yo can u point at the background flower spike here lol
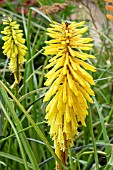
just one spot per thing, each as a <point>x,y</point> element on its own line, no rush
<point>14,48</point>
<point>109,8</point>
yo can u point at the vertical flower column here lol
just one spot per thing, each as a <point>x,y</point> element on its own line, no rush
<point>14,48</point>
<point>109,8</point>
<point>69,83</point>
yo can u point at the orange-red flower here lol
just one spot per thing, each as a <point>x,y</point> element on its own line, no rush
<point>109,8</point>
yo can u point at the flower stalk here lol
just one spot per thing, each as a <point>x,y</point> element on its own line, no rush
<point>69,83</point>
<point>14,48</point>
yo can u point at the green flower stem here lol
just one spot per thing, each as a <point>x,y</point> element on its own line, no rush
<point>110,115</point>
<point>71,160</point>
<point>30,65</point>
<point>34,126</point>
<point>25,142</point>
<point>10,140</point>
<point>6,123</point>
<point>92,152</point>
<point>77,163</point>
<point>28,57</point>
<point>108,118</point>
<point>28,34</point>
<point>25,129</point>
<point>14,158</point>
<point>31,92</point>
<point>18,71</point>
<point>42,75</point>
<point>93,141</point>
<point>17,136</point>
<point>33,83</point>
<point>106,138</point>
<point>34,56</point>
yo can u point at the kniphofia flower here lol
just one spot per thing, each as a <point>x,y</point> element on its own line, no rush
<point>109,8</point>
<point>14,48</point>
<point>69,83</point>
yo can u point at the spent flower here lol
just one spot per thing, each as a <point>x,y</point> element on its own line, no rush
<point>69,83</point>
<point>14,48</point>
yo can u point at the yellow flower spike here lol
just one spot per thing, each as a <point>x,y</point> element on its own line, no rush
<point>14,48</point>
<point>70,83</point>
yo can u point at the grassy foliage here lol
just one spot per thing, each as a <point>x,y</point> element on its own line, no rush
<point>24,134</point>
